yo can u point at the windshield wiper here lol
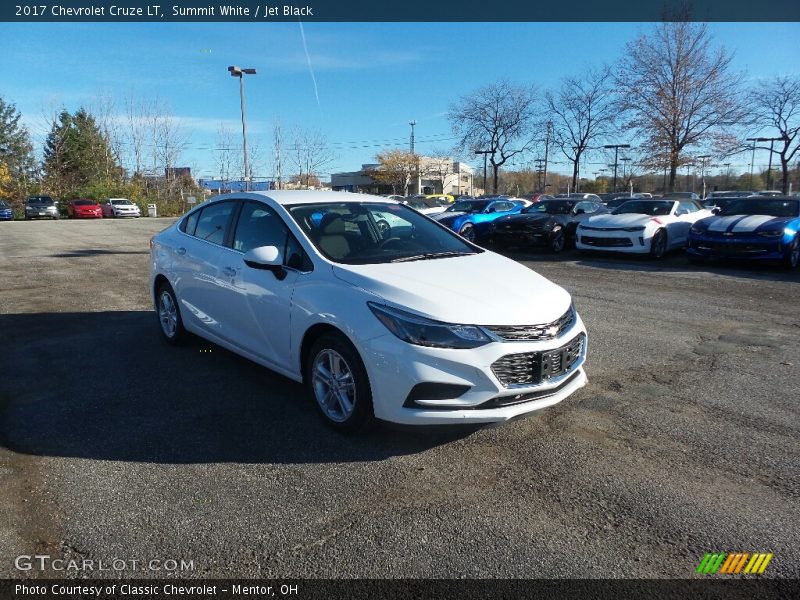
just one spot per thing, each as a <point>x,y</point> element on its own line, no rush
<point>429,256</point>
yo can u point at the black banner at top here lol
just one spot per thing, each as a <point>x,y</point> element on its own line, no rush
<point>131,11</point>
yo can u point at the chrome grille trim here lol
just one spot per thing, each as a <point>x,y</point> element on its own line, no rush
<point>532,333</point>
<point>529,368</point>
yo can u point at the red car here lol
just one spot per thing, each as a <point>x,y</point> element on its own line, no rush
<point>84,209</point>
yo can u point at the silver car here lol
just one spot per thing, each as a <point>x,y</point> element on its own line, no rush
<point>40,207</point>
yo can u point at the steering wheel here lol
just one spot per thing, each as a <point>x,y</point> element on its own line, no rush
<point>387,241</point>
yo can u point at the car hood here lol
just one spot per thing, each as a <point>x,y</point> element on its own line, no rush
<point>623,220</point>
<point>743,223</point>
<point>447,289</point>
<point>449,216</point>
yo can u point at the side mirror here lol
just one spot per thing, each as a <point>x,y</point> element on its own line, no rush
<point>580,211</point>
<point>266,258</point>
<point>716,210</point>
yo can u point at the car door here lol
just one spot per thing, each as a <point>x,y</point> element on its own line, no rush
<point>685,214</point>
<point>258,306</point>
<point>196,266</point>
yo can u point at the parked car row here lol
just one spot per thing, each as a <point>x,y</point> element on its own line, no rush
<point>754,228</point>
<point>44,207</point>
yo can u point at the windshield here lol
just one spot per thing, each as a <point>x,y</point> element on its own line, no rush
<point>468,206</point>
<point>550,207</point>
<point>761,206</point>
<point>84,202</point>
<point>44,200</point>
<point>123,202</point>
<point>655,208</point>
<point>358,233</point>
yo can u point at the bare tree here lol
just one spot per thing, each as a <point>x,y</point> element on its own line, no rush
<point>310,153</point>
<point>278,153</point>
<point>678,91</point>
<point>498,118</point>
<point>224,152</point>
<point>777,108</point>
<point>582,112</point>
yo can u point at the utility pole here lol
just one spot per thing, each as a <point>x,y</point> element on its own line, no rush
<point>752,160</point>
<point>240,73</point>
<point>616,148</point>
<point>727,174</point>
<point>771,150</point>
<point>546,150</point>
<point>413,123</point>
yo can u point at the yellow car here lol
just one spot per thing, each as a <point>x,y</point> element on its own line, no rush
<point>446,197</point>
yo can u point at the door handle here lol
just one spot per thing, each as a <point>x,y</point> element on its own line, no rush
<point>181,251</point>
<point>229,271</point>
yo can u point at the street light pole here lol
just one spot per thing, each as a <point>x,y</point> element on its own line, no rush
<point>240,73</point>
<point>616,148</point>
<point>485,153</point>
<point>703,171</point>
<point>727,174</point>
<point>752,160</point>
<point>546,149</point>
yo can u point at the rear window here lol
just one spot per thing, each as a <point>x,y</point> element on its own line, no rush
<point>213,221</point>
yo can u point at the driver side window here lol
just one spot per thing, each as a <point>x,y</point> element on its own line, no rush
<point>258,225</point>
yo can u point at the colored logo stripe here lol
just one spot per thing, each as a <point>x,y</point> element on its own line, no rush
<point>734,563</point>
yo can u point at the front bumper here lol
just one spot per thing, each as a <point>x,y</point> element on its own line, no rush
<point>127,213</point>
<point>614,240</point>
<point>41,214</point>
<point>87,215</point>
<point>396,368</point>
<point>521,238</point>
<point>745,247</point>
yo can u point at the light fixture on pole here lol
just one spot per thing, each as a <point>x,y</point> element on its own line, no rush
<point>485,153</point>
<point>616,148</point>
<point>240,73</point>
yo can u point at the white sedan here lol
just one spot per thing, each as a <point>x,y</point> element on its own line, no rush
<point>421,327</point>
<point>641,226</point>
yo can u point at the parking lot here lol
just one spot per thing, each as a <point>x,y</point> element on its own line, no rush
<point>115,445</point>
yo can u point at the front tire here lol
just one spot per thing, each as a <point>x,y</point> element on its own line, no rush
<point>338,383</point>
<point>557,241</point>
<point>169,316</point>
<point>793,256</point>
<point>658,245</point>
<point>467,231</point>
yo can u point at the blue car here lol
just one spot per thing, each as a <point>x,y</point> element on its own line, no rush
<point>6,214</point>
<point>755,228</point>
<point>472,219</point>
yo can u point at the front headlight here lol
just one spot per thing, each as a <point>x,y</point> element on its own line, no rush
<point>633,228</point>
<point>771,233</point>
<point>427,332</point>
<point>696,230</point>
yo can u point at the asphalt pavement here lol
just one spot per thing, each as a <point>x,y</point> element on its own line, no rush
<point>115,445</point>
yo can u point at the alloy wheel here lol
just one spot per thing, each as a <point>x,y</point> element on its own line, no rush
<point>168,314</point>
<point>334,385</point>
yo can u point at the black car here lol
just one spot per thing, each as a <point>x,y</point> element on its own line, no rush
<point>550,223</point>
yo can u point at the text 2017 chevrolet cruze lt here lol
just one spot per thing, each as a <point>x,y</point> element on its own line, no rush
<point>410,324</point>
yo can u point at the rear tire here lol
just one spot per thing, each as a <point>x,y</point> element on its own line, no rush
<point>338,384</point>
<point>169,316</point>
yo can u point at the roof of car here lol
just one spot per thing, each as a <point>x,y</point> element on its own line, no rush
<point>288,197</point>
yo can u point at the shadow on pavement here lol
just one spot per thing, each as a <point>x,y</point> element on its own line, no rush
<point>95,252</point>
<point>105,386</point>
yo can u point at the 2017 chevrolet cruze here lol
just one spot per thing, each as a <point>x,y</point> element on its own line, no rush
<point>410,324</point>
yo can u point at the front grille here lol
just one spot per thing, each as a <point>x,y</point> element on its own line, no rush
<point>534,333</point>
<point>734,249</point>
<point>606,242</point>
<point>531,368</point>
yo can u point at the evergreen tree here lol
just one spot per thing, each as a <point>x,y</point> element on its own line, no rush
<point>16,154</point>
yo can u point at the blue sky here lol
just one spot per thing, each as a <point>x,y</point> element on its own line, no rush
<point>371,79</point>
